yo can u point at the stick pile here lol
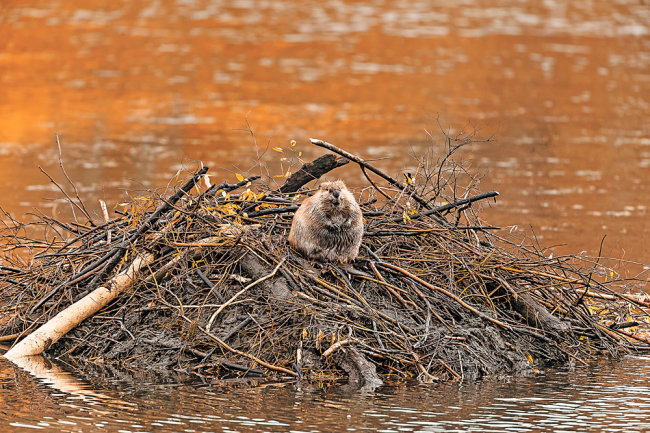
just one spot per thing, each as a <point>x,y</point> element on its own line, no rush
<point>203,281</point>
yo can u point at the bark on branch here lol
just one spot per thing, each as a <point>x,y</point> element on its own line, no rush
<point>114,255</point>
<point>365,165</point>
<point>49,333</point>
<point>311,171</point>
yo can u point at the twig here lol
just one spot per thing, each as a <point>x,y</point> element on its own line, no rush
<point>231,300</point>
<point>364,164</point>
<point>272,211</point>
<point>334,347</point>
<point>76,193</point>
<point>445,292</point>
<point>448,206</point>
<point>425,231</point>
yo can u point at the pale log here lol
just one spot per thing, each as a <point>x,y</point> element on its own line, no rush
<point>50,332</point>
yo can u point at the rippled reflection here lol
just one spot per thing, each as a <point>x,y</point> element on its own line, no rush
<point>608,396</point>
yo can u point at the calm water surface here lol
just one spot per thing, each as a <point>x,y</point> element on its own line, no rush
<point>606,397</point>
<point>138,89</point>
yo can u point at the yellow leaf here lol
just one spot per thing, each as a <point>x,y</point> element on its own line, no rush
<point>239,177</point>
<point>530,358</point>
<point>277,149</point>
<point>293,143</point>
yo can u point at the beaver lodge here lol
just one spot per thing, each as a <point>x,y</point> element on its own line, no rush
<point>202,280</point>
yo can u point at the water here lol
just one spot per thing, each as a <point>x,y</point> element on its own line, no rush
<point>605,397</point>
<point>138,89</point>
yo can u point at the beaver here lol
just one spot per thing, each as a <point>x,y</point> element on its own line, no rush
<point>328,225</point>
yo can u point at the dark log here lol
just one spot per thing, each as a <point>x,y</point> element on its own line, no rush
<point>227,187</point>
<point>311,171</point>
<point>424,232</point>
<point>457,203</point>
<point>357,367</point>
<point>533,312</point>
<point>272,211</point>
<point>278,286</point>
<point>365,165</point>
<point>462,202</point>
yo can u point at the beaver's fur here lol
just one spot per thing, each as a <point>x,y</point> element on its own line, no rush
<point>328,226</point>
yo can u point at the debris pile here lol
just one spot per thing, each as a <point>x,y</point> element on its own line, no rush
<point>205,282</point>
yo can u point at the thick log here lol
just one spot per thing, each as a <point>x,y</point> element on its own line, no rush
<point>357,367</point>
<point>50,332</point>
<point>533,312</point>
<point>311,171</point>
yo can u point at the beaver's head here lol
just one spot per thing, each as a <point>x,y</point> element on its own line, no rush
<point>334,191</point>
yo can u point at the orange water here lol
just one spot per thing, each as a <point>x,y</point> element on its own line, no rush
<point>137,89</point>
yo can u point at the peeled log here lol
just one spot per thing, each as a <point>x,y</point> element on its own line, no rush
<point>50,332</point>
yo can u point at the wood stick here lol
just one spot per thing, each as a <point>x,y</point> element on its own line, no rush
<point>10,337</point>
<point>333,347</point>
<point>457,203</point>
<point>271,211</point>
<point>445,292</point>
<point>235,351</point>
<point>311,171</point>
<point>114,255</point>
<point>231,300</point>
<point>364,164</point>
<point>50,332</point>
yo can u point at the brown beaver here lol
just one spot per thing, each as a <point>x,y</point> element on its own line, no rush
<point>328,225</point>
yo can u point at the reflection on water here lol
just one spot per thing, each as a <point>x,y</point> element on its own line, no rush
<point>608,396</point>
